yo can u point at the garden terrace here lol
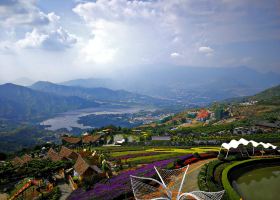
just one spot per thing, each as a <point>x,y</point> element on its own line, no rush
<point>119,186</point>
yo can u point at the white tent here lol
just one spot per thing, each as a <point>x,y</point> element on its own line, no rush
<point>234,144</point>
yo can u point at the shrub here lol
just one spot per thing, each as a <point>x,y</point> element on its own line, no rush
<point>206,180</point>
<point>202,179</point>
<point>55,194</point>
<point>196,155</point>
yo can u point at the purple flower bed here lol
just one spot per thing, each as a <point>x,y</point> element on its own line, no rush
<point>120,185</point>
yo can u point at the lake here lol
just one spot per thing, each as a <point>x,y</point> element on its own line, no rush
<point>70,119</point>
<point>259,184</point>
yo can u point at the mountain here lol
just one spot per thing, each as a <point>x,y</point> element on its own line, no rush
<point>98,94</point>
<point>90,83</point>
<point>21,103</point>
<point>190,84</point>
<point>269,96</point>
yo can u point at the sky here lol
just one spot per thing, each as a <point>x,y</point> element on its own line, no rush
<point>67,39</point>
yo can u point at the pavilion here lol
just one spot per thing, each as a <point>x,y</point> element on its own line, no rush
<point>234,144</point>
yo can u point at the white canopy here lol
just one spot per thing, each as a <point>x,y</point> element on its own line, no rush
<point>234,144</point>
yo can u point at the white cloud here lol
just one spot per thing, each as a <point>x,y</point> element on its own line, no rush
<point>53,17</point>
<point>175,55</point>
<point>55,40</point>
<point>206,50</point>
<point>21,13</point>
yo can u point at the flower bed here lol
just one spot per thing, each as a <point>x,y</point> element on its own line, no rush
<point>191,160</point>
<point>125,157</point>
<point>120,185</point>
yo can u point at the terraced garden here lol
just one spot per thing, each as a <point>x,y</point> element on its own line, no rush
<point>138,162</point>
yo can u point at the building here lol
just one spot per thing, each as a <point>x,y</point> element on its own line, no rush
<point>26,158</point>
<point>68,153</point>
<point>53,155</point>
<point>203,115</point>
<point>92,139</point>
<point>161,138</point>
<point>84,170</point>
<point>17,161</point>
<point>71,141</point>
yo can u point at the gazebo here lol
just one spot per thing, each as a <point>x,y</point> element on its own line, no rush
<point>234,144</point>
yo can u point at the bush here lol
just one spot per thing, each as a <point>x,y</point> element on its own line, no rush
<point>206,180</point>
<point>55,194</point>
<point>202,179</point>
<point>196,155</point>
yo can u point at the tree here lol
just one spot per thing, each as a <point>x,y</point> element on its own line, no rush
<point>3,156</point>
<point>106,168</point>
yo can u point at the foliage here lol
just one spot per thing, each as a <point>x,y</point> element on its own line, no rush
<point>55,194</point>
<point>206,180</point>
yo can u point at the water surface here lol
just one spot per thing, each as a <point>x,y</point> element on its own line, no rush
<point>70,119</point>
<point>259,184</point>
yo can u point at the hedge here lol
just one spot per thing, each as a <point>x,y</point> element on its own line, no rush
<point>205,177</point>
<point>231,193</point>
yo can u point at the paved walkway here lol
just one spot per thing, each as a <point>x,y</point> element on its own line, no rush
<point>3,196</point>
<point>66,190</point>
<point>191,178</point>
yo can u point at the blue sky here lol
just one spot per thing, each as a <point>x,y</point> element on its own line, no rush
<point>60,40</point>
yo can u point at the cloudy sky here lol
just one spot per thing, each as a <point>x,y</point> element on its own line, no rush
<point>58,40</point>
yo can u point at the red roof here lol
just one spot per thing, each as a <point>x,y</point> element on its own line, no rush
<point>53,155</point>
<point>203,114</point>
<point>68,153</point>
<point>91,138</point>
<point>72,140</point>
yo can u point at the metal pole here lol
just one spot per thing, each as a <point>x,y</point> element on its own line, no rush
<point>182,183</point>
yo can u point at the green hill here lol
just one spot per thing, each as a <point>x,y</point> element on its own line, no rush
<point>269,96</point>
<point>21,103</point>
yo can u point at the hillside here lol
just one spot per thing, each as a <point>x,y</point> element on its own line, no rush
<point>269,96</point>
<point>98,94</point>
<point>21,103</point>
<point>262,107</point>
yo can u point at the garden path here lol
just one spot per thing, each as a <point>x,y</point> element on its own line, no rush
<point>66,190</point>
<point>3,196</point>
<point>191,177</point>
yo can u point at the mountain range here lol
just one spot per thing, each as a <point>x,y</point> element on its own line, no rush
<point>44,99</point>
<point>178,86</point>
<point>195,85</point>
<point>22,103</point>
<point>100,94</point>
